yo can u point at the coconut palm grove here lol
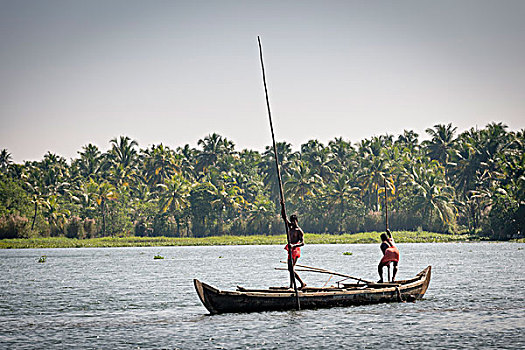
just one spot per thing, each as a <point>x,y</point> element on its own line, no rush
<point>470,182</point>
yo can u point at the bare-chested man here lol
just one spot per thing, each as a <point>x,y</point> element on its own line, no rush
<point>296,242</point>
<point>390,254</point>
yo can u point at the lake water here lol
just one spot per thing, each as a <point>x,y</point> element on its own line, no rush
<point>121,298</point>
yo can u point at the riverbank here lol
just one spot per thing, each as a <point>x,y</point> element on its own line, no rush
<point>310,238</point>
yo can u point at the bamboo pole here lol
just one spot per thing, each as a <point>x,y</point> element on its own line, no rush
<point>283,207</point>
<point>320,270</point>
<point>386,206</point>
<point>386,222</point>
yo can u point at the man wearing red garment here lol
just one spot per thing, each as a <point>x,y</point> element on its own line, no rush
<point>296,242</point>
<point>390,255</point>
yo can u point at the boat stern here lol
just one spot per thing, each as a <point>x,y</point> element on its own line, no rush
<point>427,274</point>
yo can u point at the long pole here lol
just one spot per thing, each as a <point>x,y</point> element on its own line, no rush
<point>290,264</point>
<point>320,270</point>
<point>386,220</point>
<point>386,205</point>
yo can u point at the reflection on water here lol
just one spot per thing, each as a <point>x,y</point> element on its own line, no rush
<point>123,298</point>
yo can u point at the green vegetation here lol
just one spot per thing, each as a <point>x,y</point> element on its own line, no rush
<point>42,259</point>
<point>158,257</point>
<point>471,183</point>
<point>348,253</point>
<point>310,238</point>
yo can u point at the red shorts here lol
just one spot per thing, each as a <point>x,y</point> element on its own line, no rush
<point>391,254</point>
<point>296,252</point>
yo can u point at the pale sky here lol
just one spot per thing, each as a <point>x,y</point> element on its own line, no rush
<point>172,72</point>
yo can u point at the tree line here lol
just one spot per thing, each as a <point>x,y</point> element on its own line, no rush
<point>469,182</point>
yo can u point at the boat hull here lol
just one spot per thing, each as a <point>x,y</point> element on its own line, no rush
<point>217,301</point>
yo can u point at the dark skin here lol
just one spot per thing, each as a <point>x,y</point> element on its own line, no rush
<point>296,240</point>
<point>385,244</point>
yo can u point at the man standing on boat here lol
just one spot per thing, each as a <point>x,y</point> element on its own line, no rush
<point>390,254</point>
<point>296,242</point>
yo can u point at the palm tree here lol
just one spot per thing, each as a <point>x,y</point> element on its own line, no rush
<point>5,160</point>
<point>35,188</point>
<point>123,158</point>
<point>318,159</point>
<point>123,151</point>
<point>90,161</point>
<point>342,155</point>
<point>159,165</point>
<point>56,215</point>
<point>228,197</point>
<point>311,151</point>
<point>51,173</point>
<point>201,196</point>
<point>101,194</point>
<point>214,147</point>
<point>269,172</point>
<point>477,167</point>
<point>512,170</point>
<point>465,164</point>
<point>259,215</point>
<point>45,179</point>
<point>339,195</point>
<point>302,183</point>
<point>442,141</point>
<point>247,175</point>
<point>432,193</point>
<point>37,200</point>
<point>408,140</point>
<point>174,198</point>
<point>187,160</point>
<point>373,170</point>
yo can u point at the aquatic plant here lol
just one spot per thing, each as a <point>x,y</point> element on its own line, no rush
<point>348,253</point>
<point>42,259</point>
<point>158,256</point>
<point>310,238</point>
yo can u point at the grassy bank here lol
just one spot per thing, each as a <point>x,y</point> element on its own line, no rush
<point>364,237</point>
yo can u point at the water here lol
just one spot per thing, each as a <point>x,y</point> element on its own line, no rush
<point>121,298</point>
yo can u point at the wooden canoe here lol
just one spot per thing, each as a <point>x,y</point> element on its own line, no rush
<point>253,300</point>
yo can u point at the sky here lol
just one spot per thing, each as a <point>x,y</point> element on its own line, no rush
<point>172,72</point>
